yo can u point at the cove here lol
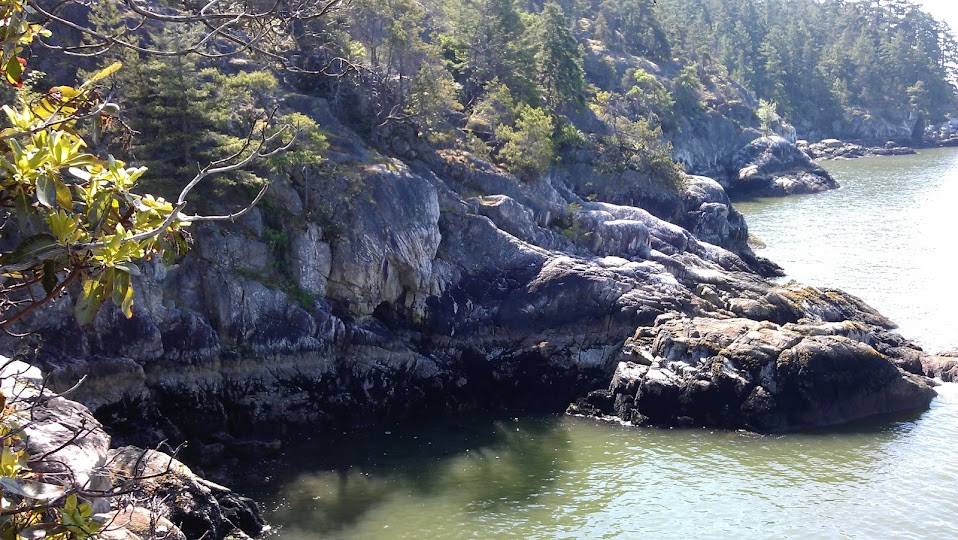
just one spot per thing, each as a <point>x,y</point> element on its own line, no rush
<point>883,236</point>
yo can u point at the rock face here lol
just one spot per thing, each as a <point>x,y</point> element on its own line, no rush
<point>442,284</point>
<point>70,448</point>
<point>741,373</point>
<point>706,144</point>
<point>772,166</point>
<point>875,129</point>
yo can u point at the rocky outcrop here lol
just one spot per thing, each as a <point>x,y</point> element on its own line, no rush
<point>705,144</point>
<point>944,134</point>
<point>772,166</point>
<point>70,451</point>
<point>392,289</point>
<point>876,128</point>
<point>944,366</point>
<point>741,373</point>
<point>835,149</point>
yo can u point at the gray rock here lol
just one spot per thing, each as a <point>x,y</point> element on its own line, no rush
<point>387,253</point>
<point>181,497</point>
<point>740,373</point>
<point>310,260</point>
<point>508,215</point>
<point>942,367</point>
<point>136,523</point>
<point>772,166</point>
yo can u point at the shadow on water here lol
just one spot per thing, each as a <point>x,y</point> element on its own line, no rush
<point>327,486</point>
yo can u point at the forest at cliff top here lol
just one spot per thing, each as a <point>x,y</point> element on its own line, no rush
<point>528,83</point>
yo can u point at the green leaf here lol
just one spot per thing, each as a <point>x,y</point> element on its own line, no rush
<point>91,298</point>
<point>105,72</point>
<point>129,268</point>
<point>49,276</point>
<point>14,71</point>
<point>47,191</point>
<point>77,516</point>
<point>64,195</point>
<point>98,210</point>
<point>123,293</point>
<point>11,463</point>
<point>32,248</point>
<point>80,173</point>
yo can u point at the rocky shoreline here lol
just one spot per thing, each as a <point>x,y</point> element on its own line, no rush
<point>836,149</point>
<point>134,493</point>
<point>439,284</point>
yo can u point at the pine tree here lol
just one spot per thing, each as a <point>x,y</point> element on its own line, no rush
<point>560,62</point>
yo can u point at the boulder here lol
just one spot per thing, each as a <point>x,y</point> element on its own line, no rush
<point>744,374</point>
<point>68,447</point>
<point>199,508</point>
<point>72,441</point>
<point>136,523</point>
<point>943,366</point>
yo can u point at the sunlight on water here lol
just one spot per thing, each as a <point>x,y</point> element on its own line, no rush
<point>886,235</point>
<point>560,477</point>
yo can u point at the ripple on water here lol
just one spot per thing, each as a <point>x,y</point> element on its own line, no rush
<point>556,477</point>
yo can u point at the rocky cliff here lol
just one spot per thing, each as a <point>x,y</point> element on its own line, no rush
<point>387,288</point>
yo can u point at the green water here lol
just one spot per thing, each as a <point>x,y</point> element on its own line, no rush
<point>887,235</point>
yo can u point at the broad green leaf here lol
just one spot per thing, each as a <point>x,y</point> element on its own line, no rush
<point>47,191</point>
<point>80,173</point>
<point>64,195</point>
<point>77,516</point>
<point>11,463</point>
<point>123,293</point>
<point>98,210</point>
<point>129,268</point>
<point>14,72</point>
<point>49,276</point>
<point>32,248</point>
<point>90,300</point>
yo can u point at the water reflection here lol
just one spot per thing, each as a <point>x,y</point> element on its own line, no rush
<point>560,477</point>
<point>485,466</point>
<point>884,236</point>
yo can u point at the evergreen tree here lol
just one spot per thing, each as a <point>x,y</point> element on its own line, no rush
<point>560,61</point>
<point>496,47</point>
<point>528,150</point>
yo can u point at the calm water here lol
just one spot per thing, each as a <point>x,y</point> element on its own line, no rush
<point>888,236</point>
<point>885,236</point>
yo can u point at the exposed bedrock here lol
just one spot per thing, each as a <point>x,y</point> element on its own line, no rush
<point>445,286</point>
<point>741,373</point>
<point>134,493</point>
<point>773,166</point>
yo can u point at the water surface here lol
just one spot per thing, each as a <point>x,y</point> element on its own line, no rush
<point>886,236</point>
